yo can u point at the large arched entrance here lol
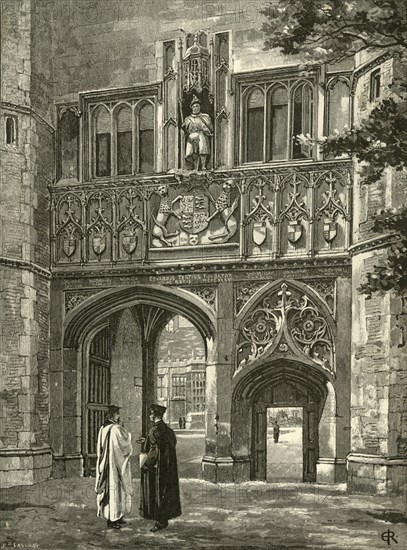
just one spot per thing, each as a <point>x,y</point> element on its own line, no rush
<point>110,355</point>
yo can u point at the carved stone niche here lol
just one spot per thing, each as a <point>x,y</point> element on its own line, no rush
<point>286,320</point>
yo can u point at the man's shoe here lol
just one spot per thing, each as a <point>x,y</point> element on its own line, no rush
<point>121,521</point>
<point>113,525</point>
<point>158,527</point>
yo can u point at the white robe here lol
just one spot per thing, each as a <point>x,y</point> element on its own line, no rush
<point>113,474</point>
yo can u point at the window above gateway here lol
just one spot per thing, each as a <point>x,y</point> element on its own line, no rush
<point>119,132</point>
<point>122,138</point>
<point>272,112</point>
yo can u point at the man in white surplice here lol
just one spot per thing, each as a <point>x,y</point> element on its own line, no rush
<point>113,474</point>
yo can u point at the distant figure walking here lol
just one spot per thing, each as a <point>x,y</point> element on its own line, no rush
<point>276,431</point>
<point>184,423</point>
<point>180,422</point>
<point>113,474</point>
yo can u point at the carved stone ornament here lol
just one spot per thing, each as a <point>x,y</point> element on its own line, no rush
<point>295,211</point>
<point>330,209</point>
<point>73,299</point>
<point>286,320</point>
<point>68,227</point>
<point>326,289</point>
<point>121,221</point>
<point>244,291</point>
<point>100,225</point>
<point>190,214</point>
<point>261,215</point>
<point>196,66</point>
<point>206,293</point>
<point>130,222</point>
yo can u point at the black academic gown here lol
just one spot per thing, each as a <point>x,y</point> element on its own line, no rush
<point>160,499</point>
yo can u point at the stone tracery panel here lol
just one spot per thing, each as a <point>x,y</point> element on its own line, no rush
<point>286,320</point>
<point>68,227</point>
<point>260,213</point>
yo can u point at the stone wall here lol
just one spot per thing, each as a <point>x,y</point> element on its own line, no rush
<point>27,168</point>
<point>114,44</point>
<point>377,462</point>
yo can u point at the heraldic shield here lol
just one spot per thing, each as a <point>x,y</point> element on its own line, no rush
<point>69,246</point>
<point>259,232</point>
<point>129,242</point>
<point>99,244</point>
<point>194,213</point>
<point>294,231</point>
<point>329,230</point>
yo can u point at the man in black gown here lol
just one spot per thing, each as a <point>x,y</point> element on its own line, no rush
<point>160,499</point>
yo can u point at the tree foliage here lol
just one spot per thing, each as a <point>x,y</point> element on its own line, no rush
<point>332,30</point>
<point>329,31</point>
<point>393,275</point>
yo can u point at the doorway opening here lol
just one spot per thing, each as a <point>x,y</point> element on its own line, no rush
<point>285,444</point>
<point>181,388</point>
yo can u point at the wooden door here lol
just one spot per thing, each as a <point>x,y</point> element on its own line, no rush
<point>259,452</point>
<point>310,442</point>
<point>97,396</point>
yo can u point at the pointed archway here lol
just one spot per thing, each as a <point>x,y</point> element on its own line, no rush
<point>285,356</point>
<point>151,306</point>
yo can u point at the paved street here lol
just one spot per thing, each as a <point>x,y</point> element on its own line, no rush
<point>61,514</point>
<point>284,459</point>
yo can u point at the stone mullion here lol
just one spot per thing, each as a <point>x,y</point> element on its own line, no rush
<point>311,222</point>
<point>243,232</point>
<point>349,210</point>
<point>279,194</point>
<point>53,236</point>
<point>146,230</point>
<point>275,235</point>
<point>84,249</point>
<point>114,237</point>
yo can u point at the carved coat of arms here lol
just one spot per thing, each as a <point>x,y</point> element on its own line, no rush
<point>294,231</point>
<point>69,246</point>
<point>329,230</point>
<point>194,213</point>
<point>99,243</point>
<point>129,242</point>
<point>259,232</point>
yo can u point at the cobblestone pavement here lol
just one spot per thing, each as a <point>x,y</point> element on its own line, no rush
<point>61,514</point>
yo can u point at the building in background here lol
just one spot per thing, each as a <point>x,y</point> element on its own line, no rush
<point>181,374</point>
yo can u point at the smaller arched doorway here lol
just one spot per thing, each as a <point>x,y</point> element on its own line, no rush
<point>285,357</point>
<point>286,385</point>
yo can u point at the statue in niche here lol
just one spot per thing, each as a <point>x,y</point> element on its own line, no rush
<point>199,129</point>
